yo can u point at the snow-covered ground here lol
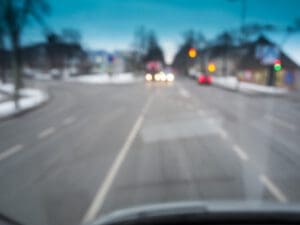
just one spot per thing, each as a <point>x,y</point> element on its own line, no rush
<point>30,98</point>
<point>233,84</point>
<point>122,78</point>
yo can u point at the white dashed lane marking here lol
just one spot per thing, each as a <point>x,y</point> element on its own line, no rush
<point>276,192</point>
<point>240,152</point>
<point>69,120</point>
<point>47,132</point>
<point>11,151</point>
<point>223,134</point>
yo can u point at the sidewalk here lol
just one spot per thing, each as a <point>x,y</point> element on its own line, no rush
<point>30,99</point>
<point>231,83</point>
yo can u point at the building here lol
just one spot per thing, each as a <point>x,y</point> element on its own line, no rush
<point>253,62</point>
<point>106,62</point>
<point>4,63</point>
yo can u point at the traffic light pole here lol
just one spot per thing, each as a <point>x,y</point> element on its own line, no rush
<point>271,77</point>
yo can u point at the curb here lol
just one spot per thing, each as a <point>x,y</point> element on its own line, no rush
<point>24,111</point>
<point>250,92</point>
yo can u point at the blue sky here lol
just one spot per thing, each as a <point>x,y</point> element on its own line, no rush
<point>110,24</point>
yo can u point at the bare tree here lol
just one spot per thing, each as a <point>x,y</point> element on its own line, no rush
<point>16,14</point>
<point>225,41</point>
<point>191,39</point>
<point>71,35</point>
<point>2,35</point>
<point>140,40</point>
<point>290,30</point>
<point>139,47</point>
<point>201,40</point>
<point>154,51</point>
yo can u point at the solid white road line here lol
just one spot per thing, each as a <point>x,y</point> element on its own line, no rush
<point>278,194</point>
<point>280,122</point>
<point>240,152</point>
<point>68,120</point>
<point>11,151</point>
<point>98,201</point>
<point>47,132</point>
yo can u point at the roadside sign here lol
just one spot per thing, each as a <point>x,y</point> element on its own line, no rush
<point>267,54</point>
<point>111,58</point>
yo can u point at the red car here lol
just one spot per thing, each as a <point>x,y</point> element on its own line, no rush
<point>204,79</point>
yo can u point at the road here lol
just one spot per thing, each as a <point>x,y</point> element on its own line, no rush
<point>95,149</point>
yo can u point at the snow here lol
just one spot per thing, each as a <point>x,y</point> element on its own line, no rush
<point>227,82</point>
<point>232,83</point>
<point>122,78</point>
<point>30,99</point>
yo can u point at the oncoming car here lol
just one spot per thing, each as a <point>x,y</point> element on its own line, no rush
<point>156,73</point>
<point>160,76</point>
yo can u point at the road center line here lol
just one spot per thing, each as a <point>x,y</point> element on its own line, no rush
<point>47,132</point>
<point>11,151</point>
<point>240,152</point>
<point>69,120</point>
<point>98,201</point>
<point>278,194</point>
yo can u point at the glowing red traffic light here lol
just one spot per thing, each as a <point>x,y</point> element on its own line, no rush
<point>277,65</point>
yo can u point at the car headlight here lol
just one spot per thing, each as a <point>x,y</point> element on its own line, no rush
<point>170,77</point>
<point>163,76</point>
<point>157,77</point>
<point>148,77</point>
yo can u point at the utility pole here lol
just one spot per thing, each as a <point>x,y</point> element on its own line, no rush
<point>244,10</point>
<point>243,17</point>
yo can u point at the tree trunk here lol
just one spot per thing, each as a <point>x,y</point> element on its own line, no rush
<point>16,65</point>
<point>2,64</point>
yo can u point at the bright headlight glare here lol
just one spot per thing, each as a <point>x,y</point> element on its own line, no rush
<point>148,77</point>
<point>157,77</point>
<point>170,77</point>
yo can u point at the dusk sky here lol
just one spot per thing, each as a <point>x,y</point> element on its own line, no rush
<point>110,24</point>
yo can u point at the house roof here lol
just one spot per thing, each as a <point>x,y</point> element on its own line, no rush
<point>250,61</point>
<point>245,54</point>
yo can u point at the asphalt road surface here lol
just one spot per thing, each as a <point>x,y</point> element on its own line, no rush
<point>95,149</point>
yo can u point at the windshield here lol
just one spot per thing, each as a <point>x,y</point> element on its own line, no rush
<point>107,105</point>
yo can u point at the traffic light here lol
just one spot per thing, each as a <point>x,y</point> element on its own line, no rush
<point>192,53</point>
<point>211,67</point>
<point>277,65</point>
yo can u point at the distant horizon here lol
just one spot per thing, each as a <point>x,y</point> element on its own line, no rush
<point>110,24</point>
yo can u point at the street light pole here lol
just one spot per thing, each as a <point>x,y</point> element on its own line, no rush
<point>243,17</point>
<point>243,20</point>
